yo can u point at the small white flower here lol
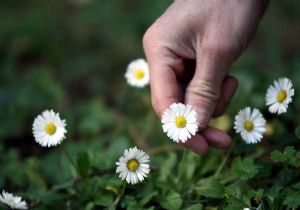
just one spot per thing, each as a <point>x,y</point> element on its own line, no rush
<point>280,95</point>
<point>179,122</point>
<point>133,165</point>
<point>137,73</point>
<point>14,202</point>
<point>251,125</point>
<point>258,208</point>
<point>48,129</point>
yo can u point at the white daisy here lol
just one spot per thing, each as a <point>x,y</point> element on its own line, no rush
<point>251,125</point>
<point>133,165</point>
<point>280,95</point>
<point>14,202</point>
<point>258,208</point>
<point>180,122</point>
<point>137,73</point>
<point>48,129</point>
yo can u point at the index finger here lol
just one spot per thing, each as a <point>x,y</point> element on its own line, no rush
<point>165,88</point>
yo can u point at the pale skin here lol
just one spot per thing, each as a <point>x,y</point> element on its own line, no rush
<point>190,49</point>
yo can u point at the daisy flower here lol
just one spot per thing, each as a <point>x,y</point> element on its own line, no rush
<point>179,122</point>
<point>250,124</point>
<point>279,95</point>
<point>137,73</point>
<point>14,202</point>
<point>258,208</point>
<point>133,165</point>
<point>48,129</point>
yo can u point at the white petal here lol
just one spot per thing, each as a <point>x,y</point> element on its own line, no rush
<point>133,177</point>
<point>169,118</point>
<point>259,124</point>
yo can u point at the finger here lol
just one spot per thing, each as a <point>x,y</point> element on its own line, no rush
<point>229,88</point>
<point>197,144</point>
<point>165,89</point>
<point>216,137</point>
<point>204,90</point>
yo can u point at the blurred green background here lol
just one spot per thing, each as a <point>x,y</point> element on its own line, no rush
<point>71,56</point>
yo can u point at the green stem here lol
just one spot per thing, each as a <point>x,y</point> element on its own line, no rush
<point>117,200</point>
<point>227,178</point>
<point>221,166</point>
<point>165,149</point>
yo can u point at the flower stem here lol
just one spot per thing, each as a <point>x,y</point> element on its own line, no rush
<point>117,200</point>
<point>165,149</point>
<point>221,166</point>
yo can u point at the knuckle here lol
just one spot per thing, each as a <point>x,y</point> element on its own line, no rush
<point>146,38</point>
<point>204,89</point>
<point>150,37</point>
<point>221,48</point>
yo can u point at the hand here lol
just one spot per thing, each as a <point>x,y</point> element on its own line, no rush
<point>190,49</point>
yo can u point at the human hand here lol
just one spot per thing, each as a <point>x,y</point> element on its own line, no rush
<point>190,49</point>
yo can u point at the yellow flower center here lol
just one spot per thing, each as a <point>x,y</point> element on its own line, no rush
<point>248,125</point>
<point>180,122</point>
<point>139,74</point>
<point>132,165</point>
<point>281,96</point>
<point>50,129</point>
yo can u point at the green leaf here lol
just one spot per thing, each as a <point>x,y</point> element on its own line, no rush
<point>83,164</point>
<point>33,172</point>
<point>235,204</point>
<point>115,149</point>
<point>104,200</point>
<point>277,203</point>
<point>210,163</point>
<point>210,188</point>
<point>187,165</point>
<point>274,191</point>
<point>128,201</point>
<point>289,156</point>
<point>292,199</point>
<point>288,153</point>
<point>198,206</point>
<point>244,169</point>
<point>89,206</point>
<point>236,189</point>
<point>51,198</point>
<point>147,198</point>
<point>297,132</point>
<point>172,201</point>
<point>166,166</point>
<point>256,193</point>
<point>295,160</point>
<point>93,117</point>
<point>134,207</point>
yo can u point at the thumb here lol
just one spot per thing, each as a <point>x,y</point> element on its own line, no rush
<point>204,89</point>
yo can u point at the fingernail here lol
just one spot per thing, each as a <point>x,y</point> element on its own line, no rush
<point>228,95</point>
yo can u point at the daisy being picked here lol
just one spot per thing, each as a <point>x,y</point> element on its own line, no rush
<point>279,95</point>
<point>250,124</point>
<point>133,166</point>
<point>179,122</point>
<point>14,202</point>
<point>137,73</point>
<point>49,129</point>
